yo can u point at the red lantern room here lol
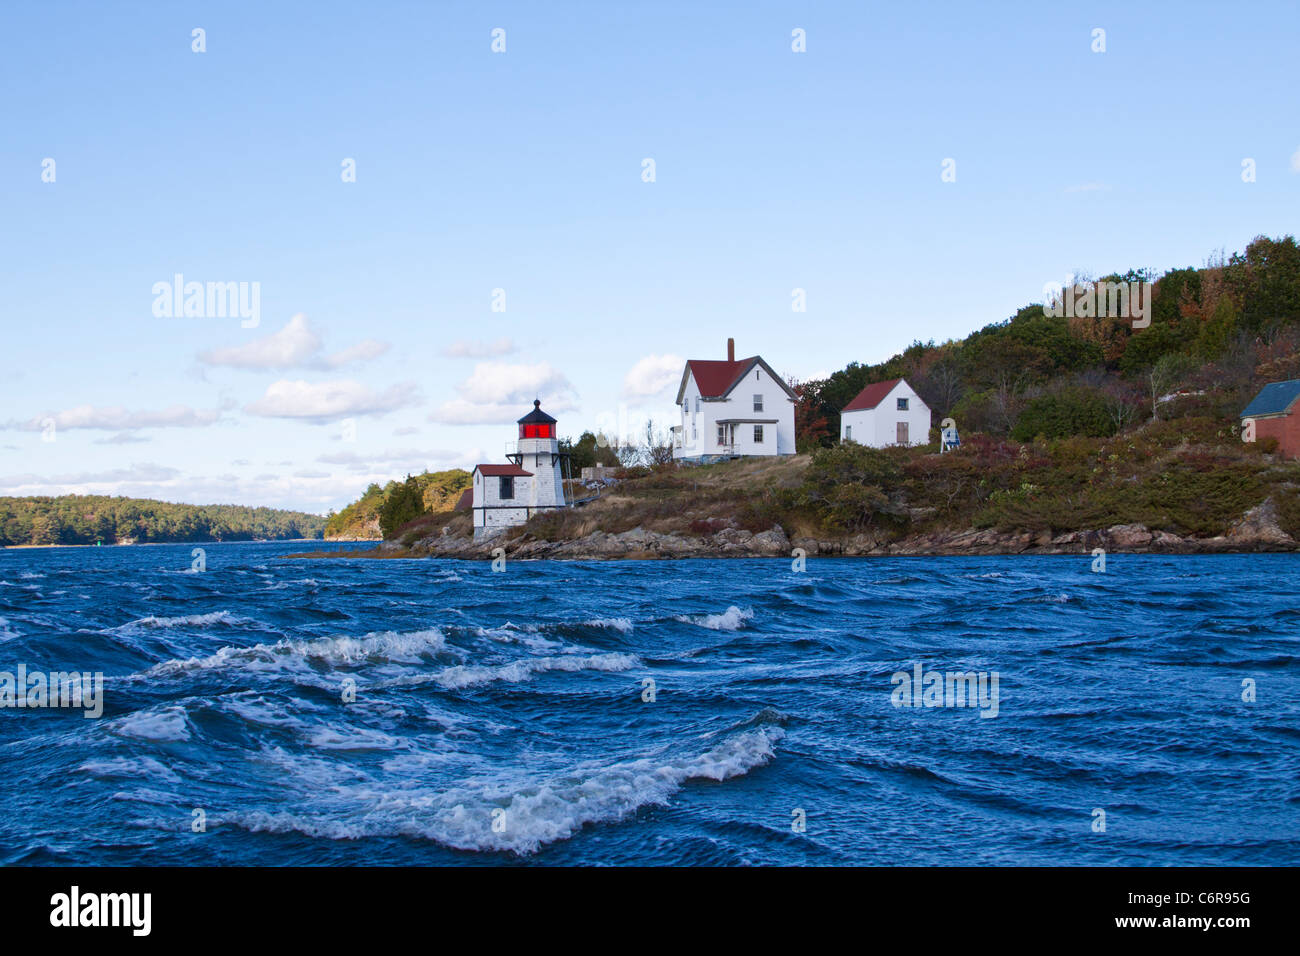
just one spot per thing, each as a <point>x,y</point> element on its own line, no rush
<point>537,424</point>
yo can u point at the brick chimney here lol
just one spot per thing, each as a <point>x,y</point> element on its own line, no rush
<point>731,350</point>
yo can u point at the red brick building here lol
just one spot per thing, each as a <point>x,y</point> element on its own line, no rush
<point>1275,412</point>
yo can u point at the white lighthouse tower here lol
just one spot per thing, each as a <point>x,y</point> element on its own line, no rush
<point>538,451</point>
<point>508,495</point>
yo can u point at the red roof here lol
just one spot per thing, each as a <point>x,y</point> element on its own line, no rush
<point>466,500</point>
<point>505,471</point>
<point>715,378</point>
<point>871,396</point>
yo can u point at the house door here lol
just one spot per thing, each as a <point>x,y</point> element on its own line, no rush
<point>902,433</point>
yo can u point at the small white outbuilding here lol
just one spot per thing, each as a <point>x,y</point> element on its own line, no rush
<point>886,413</point>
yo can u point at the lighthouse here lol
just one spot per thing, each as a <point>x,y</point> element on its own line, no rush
<point>538,450</point>
<point>508,495</point>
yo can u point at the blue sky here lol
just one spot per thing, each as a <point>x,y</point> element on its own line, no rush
<point>378,351</point>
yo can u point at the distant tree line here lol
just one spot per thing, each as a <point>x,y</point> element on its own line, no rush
<point>87,519</point>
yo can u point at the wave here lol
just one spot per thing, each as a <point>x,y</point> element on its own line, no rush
<point>189,620</point>
<point>462,676</point>
<point>166,725</point>
<point>732,619</point>
<point>400,647</point>
<point>621,624</point>
<point>522,816</point>
<point>141,766</point>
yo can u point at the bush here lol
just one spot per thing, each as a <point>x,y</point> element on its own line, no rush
<point>1071,411</point>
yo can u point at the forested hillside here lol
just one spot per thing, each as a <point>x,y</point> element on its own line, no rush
<point>1216,335</point>
<point>87,519</point>
<point>396,503</point>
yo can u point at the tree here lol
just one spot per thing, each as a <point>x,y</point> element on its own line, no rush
<point>1165,376</point>
<point>405,503</point>
<point>1120,403</point>
<point>44,530</point>
<point>658,449</point>
<point>811,426</point>
<point>588,451</point>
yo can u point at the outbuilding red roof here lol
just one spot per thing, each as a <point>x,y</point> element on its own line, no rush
<point>871,396</point>
<point>504,471</point>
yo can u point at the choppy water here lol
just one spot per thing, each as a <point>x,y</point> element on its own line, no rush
<point>522,692</point>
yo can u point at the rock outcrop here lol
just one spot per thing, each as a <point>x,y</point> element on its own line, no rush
<point>1258,530</point>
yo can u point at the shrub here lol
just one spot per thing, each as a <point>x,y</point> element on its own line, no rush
<point>1071,411</point>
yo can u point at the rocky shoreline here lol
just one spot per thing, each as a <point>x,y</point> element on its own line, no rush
<point>1257,531</point>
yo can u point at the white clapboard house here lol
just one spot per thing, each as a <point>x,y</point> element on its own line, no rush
<point>886,413</point>
<point>531,481</point>
<point>731,409</point>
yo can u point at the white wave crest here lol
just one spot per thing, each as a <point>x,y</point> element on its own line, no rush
<point>168,724</point>
<point>189,620</point>
<point>621,624</point>
<point>140,766</point>
<point>732,619</point>
<point>407,647</point>
<point>522,816</point>
<point>461,676</point>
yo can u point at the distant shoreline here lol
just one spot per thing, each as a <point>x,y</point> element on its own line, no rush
<point>152,544</point>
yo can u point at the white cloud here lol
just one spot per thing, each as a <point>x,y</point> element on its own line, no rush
<point>329,401</point>
<point>86,481</point>
<point>363,351</point>
<point>118,419</point>
<point>297,345</point>
<point>497,393</point>
<point>388,457</point>
<point>293,345</point>
<point>121,438</point>
<point>652,375</point>
<point>465,348</point>
<point>1295,161</point>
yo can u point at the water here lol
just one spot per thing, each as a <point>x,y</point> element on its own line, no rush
<point>522,692</point>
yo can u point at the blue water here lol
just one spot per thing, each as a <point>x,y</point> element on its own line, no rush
<point>481,692</point>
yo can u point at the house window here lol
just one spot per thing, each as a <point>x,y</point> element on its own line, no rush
<point>697,404</point>
<point>848,432</point>
<point>758,434</point>
<point>722,434</point>
<point>902,404</point>
<point>506,491</point>
<point>695,434</point>
<point>901,433</point>
<point>758,403</point>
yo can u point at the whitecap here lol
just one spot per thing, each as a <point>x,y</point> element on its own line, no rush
<point>166,725</point>
<point>534,812</point>
<point>621,624</point>
<point>462,676</point>
<point>732,619</point>
<point>409,647</point>
<point>189,620</point>
<point>141,766</point>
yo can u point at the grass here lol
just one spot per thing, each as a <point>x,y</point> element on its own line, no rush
<point>1191,477</point>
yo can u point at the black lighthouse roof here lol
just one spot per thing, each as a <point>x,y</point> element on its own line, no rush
<point>537,416</point>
